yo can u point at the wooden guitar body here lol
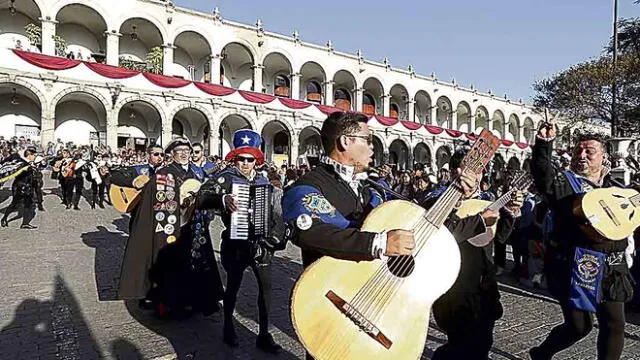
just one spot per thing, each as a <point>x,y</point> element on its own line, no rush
<point>124,199</point>
<point>472,207</point>
<point>614,213</point>
<point>397,311</point>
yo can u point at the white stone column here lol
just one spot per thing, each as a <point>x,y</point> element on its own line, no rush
<point>112,130</point>
<point>167,58</point>
<point>359,93</point>
<point>214,69</point>
<point>48,36</point>
<point>257,77</point>
<point>411,111</point>
<point>521,137</point>
<point>433,115</point>
<point>328,93</point>
<point>167,132</point>
<point>472,124</point>
<point>295,86</point>
<point>214,142</point>
<point>113,48</point>
<point>47,127</point>
<point>293,151</point>
<point>454,119</point>
<point>386,104</point>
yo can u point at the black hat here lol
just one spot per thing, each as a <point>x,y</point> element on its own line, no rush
<point>180,141</point>
<point>418,167</point>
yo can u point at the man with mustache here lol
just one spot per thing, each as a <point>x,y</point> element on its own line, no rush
<point>573,259</point>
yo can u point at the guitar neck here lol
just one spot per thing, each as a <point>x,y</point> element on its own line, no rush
<point>502,201</point>
<point>439,212</point>
<point>635,200</point>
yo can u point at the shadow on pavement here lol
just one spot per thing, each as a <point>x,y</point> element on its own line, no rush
<point>109,250</point>
<point>122,349</point>
<point>49,329</point>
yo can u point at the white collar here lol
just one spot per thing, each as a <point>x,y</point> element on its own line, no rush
<point>346,172</point>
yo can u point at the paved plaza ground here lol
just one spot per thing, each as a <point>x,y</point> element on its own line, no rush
<point>57,286</point>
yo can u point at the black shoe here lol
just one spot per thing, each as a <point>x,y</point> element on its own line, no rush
<point>267,344</point>
<point>41,208</point>
<point>536,354</point>
<point>4,223</point>
<point>100,205</point>
<point>229,337</point>
<point>28,226</point>
<point>76,207</point>
<point>68,206</point>
<point>93,206</point>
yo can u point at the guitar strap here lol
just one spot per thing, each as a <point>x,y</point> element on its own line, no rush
<point>588,265</point>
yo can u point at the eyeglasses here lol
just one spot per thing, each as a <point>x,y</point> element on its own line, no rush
<point>245,159</point>
<point>156,154</point>
<point>368,138</point>
<point>185,150</point>
<point>197,152</point>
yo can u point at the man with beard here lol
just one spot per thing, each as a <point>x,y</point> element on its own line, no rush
<point>169,259</point>
<point>239,254</point>
<point>570,251</point>
<point>22,191</point>
<point>200,160</point>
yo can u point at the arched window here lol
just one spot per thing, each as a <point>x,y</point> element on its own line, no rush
<point>281,143</point>
<point>281,86</point>
<point>342,99</point>
<point>314,92</point>
<point>368,104</point>
<point>393,111</point>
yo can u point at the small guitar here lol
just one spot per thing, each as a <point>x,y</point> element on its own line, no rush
<point>124,199</point>
<point>473,207</point>
<point>611,213</point>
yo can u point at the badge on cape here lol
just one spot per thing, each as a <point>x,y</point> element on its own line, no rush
<point>171,239</point>
<point>160,196</point>
<point>159,207</point>
<point>144,171</point>
<point>169,229</point>
<point>318,204</point>
<point>160,187</point>
<point>304,222</point>
<point>159,228</point>
<point>172,206</point>
<point>172,219</point>
<point>171,194</point>
<point>159,216</point>
<point>221,180</point>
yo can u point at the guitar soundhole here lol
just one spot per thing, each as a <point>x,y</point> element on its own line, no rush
<point>401,266</point>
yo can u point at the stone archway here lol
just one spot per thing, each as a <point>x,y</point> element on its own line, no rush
<point>422,154</point>
<point>276,144</point>
<point>228,126</point>
<point>310,145</point>
<point>443,155</point>
<point>399,154</point>
<point>378,151</point>
<point>81,118</point>
<point>21,112</point>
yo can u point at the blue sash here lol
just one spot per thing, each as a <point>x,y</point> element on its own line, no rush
<point>586,279</point>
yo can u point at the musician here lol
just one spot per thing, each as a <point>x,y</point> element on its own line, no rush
<point>467,312</point>
<point>200,160</point>
<point>570,250</point>
<point>124,176</point>
<point>22,191</point>
<point>169,260</point>
<point>58,164</point>
<point>97,176</point>
<point>236,254</point>
<point>74,181</point>
<point>38,180</point>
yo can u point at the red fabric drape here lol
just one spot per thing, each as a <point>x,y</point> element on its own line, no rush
<point>386,121</point>
<point>256,97</point>
<point>166,81</point>
<point>453,133</point>
<point>434,129</point>
<point>214,89</point>
<point>46,61</point>
<point>294,104</point>
<point>507,142</point>
<point>470,136</point>
<point>328,110</point>
<point>411,125</point>
<point>522,145</point>
<point>112,72</point>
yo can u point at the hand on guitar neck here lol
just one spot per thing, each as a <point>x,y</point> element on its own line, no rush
<point>469,182</point>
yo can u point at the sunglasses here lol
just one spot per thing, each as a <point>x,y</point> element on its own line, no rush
<point>245,159</point>
<point>368,138</point>
<point>197,152</point>
<point>156,154</point>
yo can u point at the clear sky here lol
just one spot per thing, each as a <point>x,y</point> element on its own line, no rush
<point>502,45</point>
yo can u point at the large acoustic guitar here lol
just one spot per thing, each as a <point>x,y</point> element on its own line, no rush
<point>380,309</point>
<point>473,207</point>
<point>124,199</point>
<point>610,213</point>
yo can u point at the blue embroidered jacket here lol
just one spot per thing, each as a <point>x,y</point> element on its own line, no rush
<point>124,176</point>
<point>323,216</point>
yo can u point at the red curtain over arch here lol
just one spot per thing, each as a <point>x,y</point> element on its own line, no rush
<point>214,89</point>
<point>294,104</point>
<point>47,62</point>
<point>166,81</point>
<point>386,121</point>
<point>435,130</point>
<point>112,72</point>
<point>411,125</point>
<point>256,97</point>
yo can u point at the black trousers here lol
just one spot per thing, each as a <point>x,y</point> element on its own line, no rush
<point>39,184</point>
<point>19,197</point>
<point>500,254</point>
<point>236,256</point>
<point>579,323</point>
<point>73,190</point>
<point>97,193</point>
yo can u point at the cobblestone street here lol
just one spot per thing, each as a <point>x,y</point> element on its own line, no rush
<point>58,283</point>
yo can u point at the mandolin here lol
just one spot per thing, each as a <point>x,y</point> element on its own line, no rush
<point>473,207</point>
<point>124,199</point>
<point>380,309</point>
<point>610,213</point>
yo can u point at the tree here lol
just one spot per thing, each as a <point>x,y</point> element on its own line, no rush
<point>154,60</point>
<point>628,37</point>
<point>34,34</point>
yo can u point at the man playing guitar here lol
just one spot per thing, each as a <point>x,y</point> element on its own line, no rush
<point>574,259</point>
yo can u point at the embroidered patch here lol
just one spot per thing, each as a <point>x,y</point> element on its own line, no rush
<point>221,180</point>
<point>171,239</point>
<point>202,240</point>
<point>169,229</point>
<point>161,179</point>
<point>304,221</point>
<point>172,219</point>
<point>160,187</point>
<point>159,228</point>
<point>170,180</point>
<point>160,216</point>
<point>317,204</point>
<point>160,196</point>
<point>144,171</point>
<point>171,194</point>
<point>159,206</point>
<point>172,206</point>
<point>588,268</point>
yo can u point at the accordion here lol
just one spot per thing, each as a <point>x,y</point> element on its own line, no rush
<point>259,213</point>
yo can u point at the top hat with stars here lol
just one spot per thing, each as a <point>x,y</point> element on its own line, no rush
<point>246,141</point>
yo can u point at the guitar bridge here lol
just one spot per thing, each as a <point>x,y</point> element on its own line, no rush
<point>358,319</point>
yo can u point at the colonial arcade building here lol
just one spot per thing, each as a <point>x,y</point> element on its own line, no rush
<point>135,72</point>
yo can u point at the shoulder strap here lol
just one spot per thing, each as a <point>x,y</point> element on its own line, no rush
<point>575,183</point>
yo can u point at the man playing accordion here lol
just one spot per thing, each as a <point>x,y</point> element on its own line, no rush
<point>244,242</point>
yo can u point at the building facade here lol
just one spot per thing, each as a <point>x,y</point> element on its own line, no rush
<point>221,76</point>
